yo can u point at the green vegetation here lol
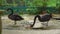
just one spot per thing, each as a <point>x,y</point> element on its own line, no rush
<point>30,5</point>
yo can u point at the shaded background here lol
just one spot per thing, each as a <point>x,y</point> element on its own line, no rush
<point>31,6</point>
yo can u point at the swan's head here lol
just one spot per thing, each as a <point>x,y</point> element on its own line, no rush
<point>9,9</point>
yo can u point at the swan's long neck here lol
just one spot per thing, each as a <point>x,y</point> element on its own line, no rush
<point>11,12</point>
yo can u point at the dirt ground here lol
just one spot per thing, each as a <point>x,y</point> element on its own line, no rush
<point>8,27</point>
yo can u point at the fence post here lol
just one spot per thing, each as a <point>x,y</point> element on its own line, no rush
<point>0,25</point>
<point>1,12</point>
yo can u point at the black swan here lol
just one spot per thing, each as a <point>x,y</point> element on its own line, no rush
<point>45,18</point>
<point>13,16</point>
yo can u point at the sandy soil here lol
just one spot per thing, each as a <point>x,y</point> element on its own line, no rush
<point>53,26</point>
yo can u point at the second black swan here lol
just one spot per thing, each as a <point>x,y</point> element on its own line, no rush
<point>13,16</point>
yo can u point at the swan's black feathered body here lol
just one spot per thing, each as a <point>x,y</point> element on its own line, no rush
<point>13,16</point>
<point>45,18</point>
